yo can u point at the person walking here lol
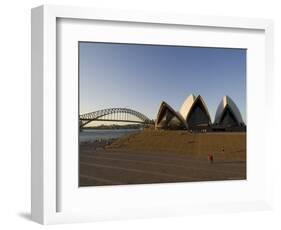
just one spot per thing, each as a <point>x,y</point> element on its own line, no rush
<point>210,158</point>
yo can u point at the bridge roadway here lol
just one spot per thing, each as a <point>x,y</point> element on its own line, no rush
<point>129,121</point>
<point>115,115</point>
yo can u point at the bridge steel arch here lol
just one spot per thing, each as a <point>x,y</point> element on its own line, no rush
<point>97,115</point>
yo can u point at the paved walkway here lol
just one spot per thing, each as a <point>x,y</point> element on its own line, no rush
<point>115,168</point>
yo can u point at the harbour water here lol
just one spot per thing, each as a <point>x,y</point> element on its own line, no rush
<point>91,135</point>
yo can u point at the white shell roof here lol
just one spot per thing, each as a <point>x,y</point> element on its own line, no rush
<point>178,115</point>
<point>226,100</point>
<point>186,105</point>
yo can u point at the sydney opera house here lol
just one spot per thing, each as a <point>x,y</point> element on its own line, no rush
<point>194,116</point>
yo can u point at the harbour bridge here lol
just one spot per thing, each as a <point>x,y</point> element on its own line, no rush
<point>115,114</point>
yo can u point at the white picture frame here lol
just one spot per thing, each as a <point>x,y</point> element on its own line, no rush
<point>50,205</point>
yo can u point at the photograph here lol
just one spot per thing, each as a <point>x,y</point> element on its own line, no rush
<point>151,113</point>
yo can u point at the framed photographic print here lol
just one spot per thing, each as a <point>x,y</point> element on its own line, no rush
<point>137,114</point>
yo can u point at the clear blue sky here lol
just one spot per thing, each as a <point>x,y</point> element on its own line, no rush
<point>141,76</point>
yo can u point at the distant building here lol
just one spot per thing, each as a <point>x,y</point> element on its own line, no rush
<point>194,115</point>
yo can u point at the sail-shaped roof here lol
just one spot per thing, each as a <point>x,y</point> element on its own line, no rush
<point>168,118</point>
<point>195,112</point>
<point>186,105</point>
<point>227,111</point>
